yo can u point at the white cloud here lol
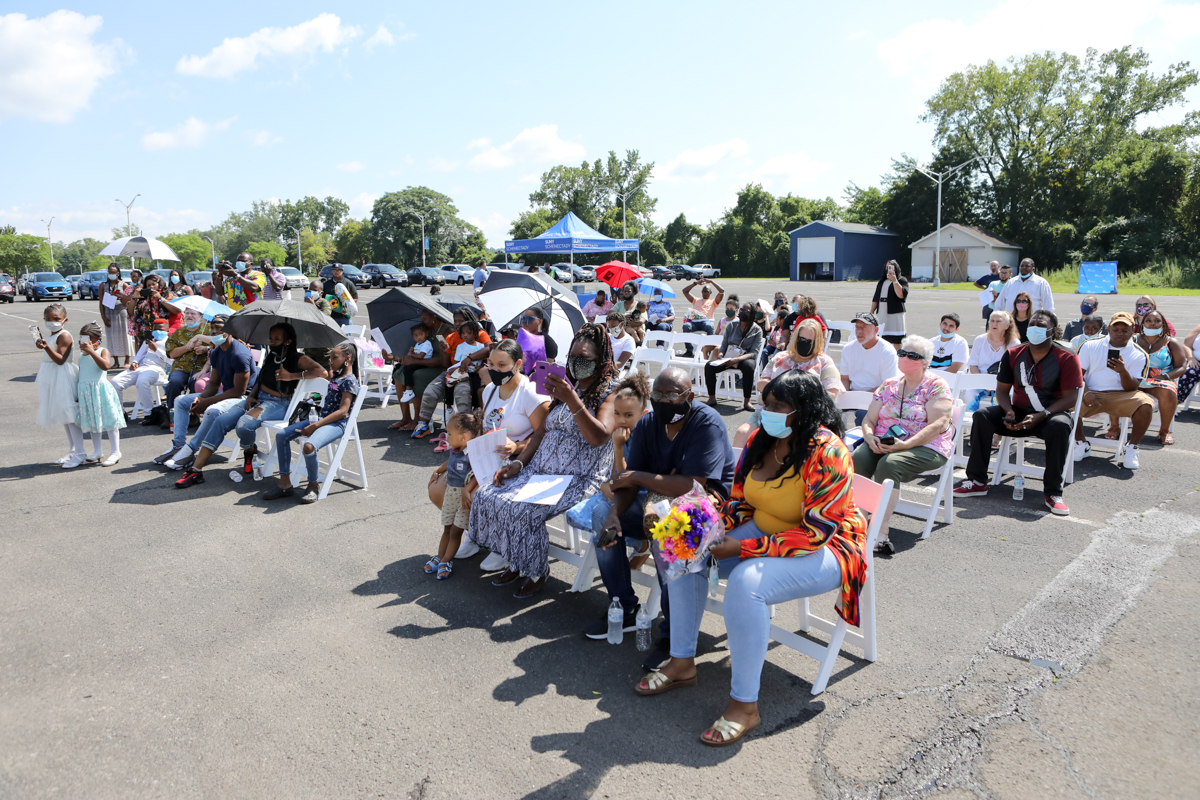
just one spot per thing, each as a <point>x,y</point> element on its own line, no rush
<point>189,134</point>
<point>362,204</point>
<point>495,227</point>
<point>350,166</point>
<point>384,37</point>
<point>789,172</point>
<point>538,144</point>
<point>96,220</point>
<point>699,165</point>
<point>439,164</point>
<point>931,50</point>
<point>50,66</point>
<point>262,138</point>
<point>324,33</point>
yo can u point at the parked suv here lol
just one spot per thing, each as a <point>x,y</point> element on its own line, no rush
<point>46,286</point>
<point>356,276</point>
<point>383,275</point>
<point>458,273</point>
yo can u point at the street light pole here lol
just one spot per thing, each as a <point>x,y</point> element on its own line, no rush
<point>214,251</point>
<point>418,216</point>
<point>129,224</point>
<point>50,242</point>
<point>939,178</point>
<point>299,256</point>
<point>623,196</point>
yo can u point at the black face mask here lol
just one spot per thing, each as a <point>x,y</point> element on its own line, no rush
<point>804,346</point>
<point>500,378</point>
<point>581,368</point>
<point>670,413</point>
<point>744,316</point>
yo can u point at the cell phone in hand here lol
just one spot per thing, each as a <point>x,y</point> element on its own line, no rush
<point>1113,353</point>
<point>607,536</point>
<point>888,440</point>
<point>36,332</point>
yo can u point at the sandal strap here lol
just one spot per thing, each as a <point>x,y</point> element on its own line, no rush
<point>656,680</point>
<point>728,730</point>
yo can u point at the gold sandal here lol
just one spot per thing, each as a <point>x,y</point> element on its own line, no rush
<point>657,683</point>
<point>730,732</point>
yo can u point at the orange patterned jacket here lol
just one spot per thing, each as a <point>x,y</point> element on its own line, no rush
<point>830,518</point>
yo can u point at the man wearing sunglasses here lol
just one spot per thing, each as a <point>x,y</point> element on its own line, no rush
<point>680,442</point>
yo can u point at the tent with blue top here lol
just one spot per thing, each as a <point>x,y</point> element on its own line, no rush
<point>569,235</point>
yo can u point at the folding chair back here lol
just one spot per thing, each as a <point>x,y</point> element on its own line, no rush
<point>658,339</point>
<point>847,329</point>
<point>849,402</point>
<point>306,388</point>
<point>336,450</point>
<point>650,358</point>
<point>354,330</point>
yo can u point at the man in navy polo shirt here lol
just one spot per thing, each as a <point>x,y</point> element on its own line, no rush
<point>680,442</point>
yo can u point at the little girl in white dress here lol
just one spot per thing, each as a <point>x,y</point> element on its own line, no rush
<point>56,382</point>
<point>99,404</point>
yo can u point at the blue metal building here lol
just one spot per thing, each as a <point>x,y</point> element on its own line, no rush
<point>838,251</point>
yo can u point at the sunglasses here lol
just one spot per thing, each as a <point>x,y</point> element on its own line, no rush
<point>658,397</point>
<point>909,354</point>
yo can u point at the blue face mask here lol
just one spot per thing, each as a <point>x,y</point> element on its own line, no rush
<point>948,335</point>
<point>159,336</point>
<point>218,340</point>
<point>175,279</point>
<point>1036,335</point>
<point>1152,331</point>
<point>191,325</point>
<point>775,424</point>
<point>1086,308</point>
<point>795,306</point>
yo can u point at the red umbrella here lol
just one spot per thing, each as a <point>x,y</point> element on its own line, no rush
<point>616,273</point>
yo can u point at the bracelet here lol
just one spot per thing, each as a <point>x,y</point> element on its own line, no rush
<point>576,413</point>
<point>516,461</point>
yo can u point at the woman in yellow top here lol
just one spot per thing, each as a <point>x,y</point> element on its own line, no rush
<point>794,531</point>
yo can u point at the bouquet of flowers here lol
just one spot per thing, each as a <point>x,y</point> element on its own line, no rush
<point>687,532</point>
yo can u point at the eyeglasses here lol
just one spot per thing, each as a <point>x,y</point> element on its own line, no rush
<point>910,354</point>
<point>658,397</point>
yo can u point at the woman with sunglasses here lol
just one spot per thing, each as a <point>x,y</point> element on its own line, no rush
<point>907,428</point>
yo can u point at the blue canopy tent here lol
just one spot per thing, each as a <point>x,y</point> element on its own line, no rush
<point>569,235</point>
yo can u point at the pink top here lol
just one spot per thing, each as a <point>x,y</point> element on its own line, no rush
<point>821,365</point>
<point>590,309</point>
<point>908,411</point>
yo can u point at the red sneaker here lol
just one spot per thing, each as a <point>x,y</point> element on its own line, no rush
<point>1057,506</point>
<point>971,489</point>
<point>190,478</point>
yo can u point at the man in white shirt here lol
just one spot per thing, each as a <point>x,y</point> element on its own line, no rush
<point>1033,285</point>
<point>622,343</point>
<point>950,351</point>
<point>868,361</point>
<point>149,368</point>
<point>1113,368</point>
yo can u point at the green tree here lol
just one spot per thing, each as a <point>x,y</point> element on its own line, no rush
<point>269,250</point>
<point>22,252</point>
<point>680,240</point>
<point>316,248</point>
<point>194,253</point>
<point>355,242</point>
<point>309,212</point>
<point>748,240</point>
<point>866,206</point>
<point>70,257</point>
<point>397,230</point>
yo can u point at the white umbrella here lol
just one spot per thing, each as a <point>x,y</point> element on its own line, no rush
<point>209,308</point>
<point>140,247</point>
<point>506,295</point>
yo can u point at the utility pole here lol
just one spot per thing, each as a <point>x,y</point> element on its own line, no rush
<point>214,251</point>
<point>50,242</point>
<point>939,178</point>
<point>418,216</point>
<point>623,196</point>
<point>129,224</point>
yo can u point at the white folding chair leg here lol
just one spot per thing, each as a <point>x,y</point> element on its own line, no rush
<point>831,655</point>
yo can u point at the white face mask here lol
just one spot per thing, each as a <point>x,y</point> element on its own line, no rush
<point>54,326</point>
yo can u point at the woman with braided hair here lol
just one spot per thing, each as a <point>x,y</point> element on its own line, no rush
<point>575,439</point>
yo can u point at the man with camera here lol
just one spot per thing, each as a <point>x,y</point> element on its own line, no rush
<point>238,284</point>
<point>1113,369</point>
<point>1036,391</point>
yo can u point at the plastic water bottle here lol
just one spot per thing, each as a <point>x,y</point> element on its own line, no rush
<point>616,622</point>
<point>235,476</point>
<point>258,468</point>
<point>643,629</point>
<point>714,579</point>
<point>1019,487</point>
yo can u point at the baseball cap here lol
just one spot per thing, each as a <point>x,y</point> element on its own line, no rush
<point>867,317</point>
<point>1121,316</point>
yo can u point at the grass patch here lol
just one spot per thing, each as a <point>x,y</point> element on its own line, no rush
<point>1171,277</point>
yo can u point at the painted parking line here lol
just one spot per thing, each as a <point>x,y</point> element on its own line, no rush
<point>14,316</point>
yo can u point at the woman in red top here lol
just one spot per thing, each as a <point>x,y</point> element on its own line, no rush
<point>794,531</point>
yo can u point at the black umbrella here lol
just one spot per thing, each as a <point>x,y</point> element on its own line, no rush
<point>453,302</point>
<point>314,328</point>
<point>395,313</point>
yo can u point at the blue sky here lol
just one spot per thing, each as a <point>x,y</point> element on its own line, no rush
<point>204,109</point>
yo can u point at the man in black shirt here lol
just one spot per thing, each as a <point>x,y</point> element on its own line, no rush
<point>340,306</point>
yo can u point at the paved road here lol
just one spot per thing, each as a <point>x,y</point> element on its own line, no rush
<point>204,644</point>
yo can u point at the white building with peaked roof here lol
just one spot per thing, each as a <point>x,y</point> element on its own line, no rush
<point>966,253</point>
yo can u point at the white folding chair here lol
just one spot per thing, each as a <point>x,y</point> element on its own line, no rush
<point>943,495</point>
<point>578,550</point>
<point>849,402</point>
<point>709,343</point>
<point>727,387</point>
<point>305,389</point>
<point>155,390</point>
<point>334,469</point>
<point>658,339</point>
<point>871,498</point>
<point>384,388</point>
<point>968,385</point>
<point>1185,403</point>
<point>694,363</point>
<point>354,330</point>
<point>1003,465</point>
<point>650,358</point>
<point>847,329</point>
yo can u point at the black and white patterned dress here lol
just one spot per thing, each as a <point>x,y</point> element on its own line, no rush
<point>517,531</point>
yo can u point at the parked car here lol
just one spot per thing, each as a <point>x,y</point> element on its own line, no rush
<point>384,275</point>
<point>502,265</point>
<point>46,286</point>
<point>458,273</point>
<point>559,272</point>
<point>707,270</point>
<point>356,276</point>
<point>426,276</point>
<point>199,278</point>
<point>663,273</point>
<point>74,281</point>
<point>295,278</point>
<point>581,274</point>
<point>8,291</point>
<point>165,274</point>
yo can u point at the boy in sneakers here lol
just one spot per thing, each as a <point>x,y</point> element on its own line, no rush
<point>1112,385</point>
<point>1044,380</point>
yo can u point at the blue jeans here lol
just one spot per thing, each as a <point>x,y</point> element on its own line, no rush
<point>178,382</point>
<point>323,436</point>
<point>218,420</point>
<point>696,326</point>
<point>273,408</point>
<point>754,586</point>
<point>658,326</point>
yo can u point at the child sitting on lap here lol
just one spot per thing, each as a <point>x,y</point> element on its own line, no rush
<point>423,349</point>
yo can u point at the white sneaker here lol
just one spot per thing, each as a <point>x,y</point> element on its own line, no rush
<point>1082,450</point>
<point>183,455</point>
<point>112,460</point>
<point>466,549</point>
<point>1131,456</point>
<point>494,562</point>
<point>74,461</point>
<point>408,396</point>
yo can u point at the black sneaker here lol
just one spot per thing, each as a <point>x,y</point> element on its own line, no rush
<point>167,456</point>
<point>276,493</point>
<point>190,478</point>
<point>599,628</point>
<point>659,655</point>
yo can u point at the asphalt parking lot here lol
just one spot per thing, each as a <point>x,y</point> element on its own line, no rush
<point>204,643</point>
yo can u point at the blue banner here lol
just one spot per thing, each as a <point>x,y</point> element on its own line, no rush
<point>1097,277</point>
<point>426,242</point>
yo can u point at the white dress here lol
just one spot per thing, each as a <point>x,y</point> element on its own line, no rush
<point>57,403</point>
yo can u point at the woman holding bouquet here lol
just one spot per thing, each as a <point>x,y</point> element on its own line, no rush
<point>793,531</point>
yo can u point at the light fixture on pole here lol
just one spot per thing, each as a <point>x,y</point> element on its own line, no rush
<point>623,195</point>
<point>214,251</point>
<point>50,241</point>
<point>299,256</point>
<point>418,216</point>
<point>939,178</point>
<point>129,224</point>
